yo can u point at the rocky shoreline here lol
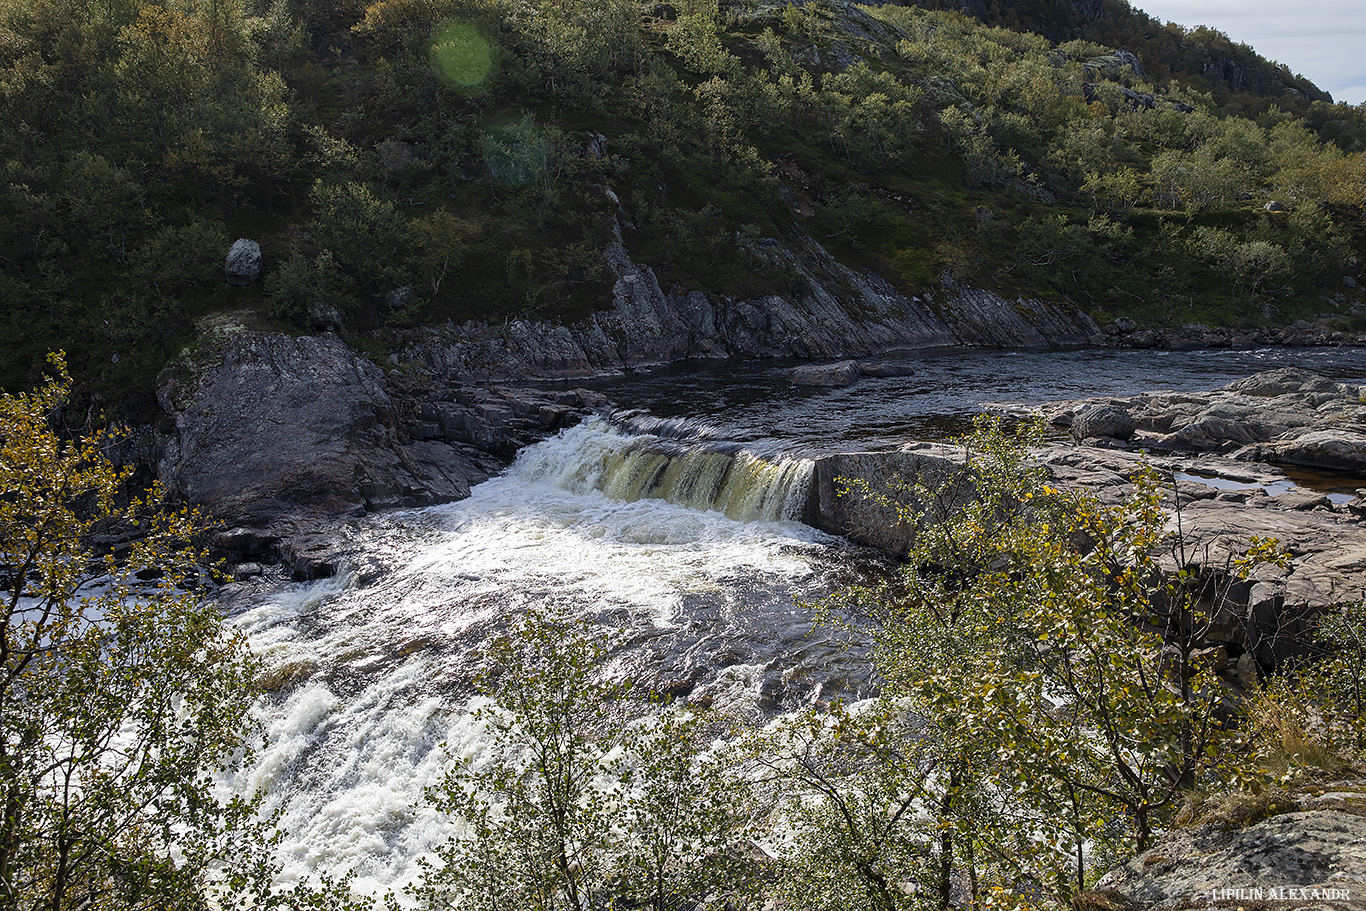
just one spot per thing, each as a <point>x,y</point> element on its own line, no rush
<point>279,439</point>
<point>1327,331</point>
<point>286,441</point>
<point>283,440</point>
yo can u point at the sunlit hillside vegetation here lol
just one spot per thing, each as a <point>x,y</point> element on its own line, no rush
<point>483,153</point>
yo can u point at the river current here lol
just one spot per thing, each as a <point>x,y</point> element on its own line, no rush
<point>671,524</point>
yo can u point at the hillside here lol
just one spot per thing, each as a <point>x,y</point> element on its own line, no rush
<point>409,162</point>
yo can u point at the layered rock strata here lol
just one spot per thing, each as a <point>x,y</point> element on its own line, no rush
<point>831,311</point>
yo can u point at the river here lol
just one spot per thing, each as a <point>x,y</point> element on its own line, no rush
<point>670,522</point>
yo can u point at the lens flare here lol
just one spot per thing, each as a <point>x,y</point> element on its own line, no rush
<point>461,56</point>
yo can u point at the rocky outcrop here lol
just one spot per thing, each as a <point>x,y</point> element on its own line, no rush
<point>1216,503</point>
<point>243,264</point>
<point>845,373</point>
<point>1287,416</point>
<point>276,437</point>
<point>832,312</point>
<point>1309,853</point>
<point>871,497</point>
<point>1222,505</point>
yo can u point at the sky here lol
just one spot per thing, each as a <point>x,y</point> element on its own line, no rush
<point>1322,40</point>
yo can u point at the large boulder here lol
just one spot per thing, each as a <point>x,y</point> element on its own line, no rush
<point>244,263</point>
<point>841,373</point>
<point>863,495</point>
<point>1103,421</point>
<point>275,430</point>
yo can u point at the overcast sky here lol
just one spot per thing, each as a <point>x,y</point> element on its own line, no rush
<point>1322,40</point>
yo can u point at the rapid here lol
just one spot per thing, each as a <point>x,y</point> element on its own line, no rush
<point>674,524</point>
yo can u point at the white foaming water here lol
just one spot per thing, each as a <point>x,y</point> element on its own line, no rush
<point>373,676</point>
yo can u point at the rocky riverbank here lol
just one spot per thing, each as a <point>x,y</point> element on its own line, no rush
<point>1221,453</point>
<point>280,438</point>
<point>831,311</point>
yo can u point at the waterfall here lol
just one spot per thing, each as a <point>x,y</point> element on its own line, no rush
<point>636,534</point>
<point>684,468</point>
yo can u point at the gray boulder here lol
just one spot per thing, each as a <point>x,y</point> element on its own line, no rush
<point>1103,421</point>
<point>323,317</point>
<point>841,373</point>
<point>244,263</point>
<point>854,494</point>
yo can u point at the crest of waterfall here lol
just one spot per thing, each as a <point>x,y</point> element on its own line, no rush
<point>682,468</point>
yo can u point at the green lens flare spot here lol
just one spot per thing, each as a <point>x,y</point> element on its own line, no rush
<point>461,56</point>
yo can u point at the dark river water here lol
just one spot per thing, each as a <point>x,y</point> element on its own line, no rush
<point>691,559</point>
<point>752,402</point>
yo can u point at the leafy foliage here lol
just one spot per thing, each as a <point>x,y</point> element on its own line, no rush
<point>571,805</point>
<point>1055,665</point>
<point>121,693</point>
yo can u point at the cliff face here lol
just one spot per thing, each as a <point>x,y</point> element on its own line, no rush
<point>840,312</point>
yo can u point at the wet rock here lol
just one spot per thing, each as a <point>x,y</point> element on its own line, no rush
<point>244,571</point>
<point>312,557</point>
<point>842,373</point>
<point>238,543</point>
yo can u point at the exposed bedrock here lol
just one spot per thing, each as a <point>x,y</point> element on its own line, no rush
<point>1287,416</point>
<point>279,437</point>
<point>1307,854</point>
<point>831,311</point>
<point>1268,617</point>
